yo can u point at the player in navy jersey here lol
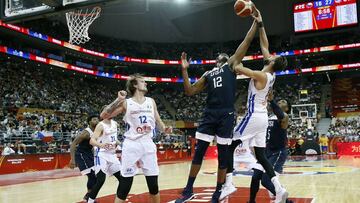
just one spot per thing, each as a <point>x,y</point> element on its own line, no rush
<point>276,147</point>
<point>218,118</point>
<point>81,153</point>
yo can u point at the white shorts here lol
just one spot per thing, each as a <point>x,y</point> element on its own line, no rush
<point>107,162</point>
<point>248,160</point>
<point>252,128</point>
<point>143,150</point>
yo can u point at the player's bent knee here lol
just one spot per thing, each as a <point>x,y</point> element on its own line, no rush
<point>223,154</point>
<point>200,151</point>
<point>124,187</point>
<point>153,186</point>
<point>257,175</point>
<point>91,180</point>
<point>100,177</point>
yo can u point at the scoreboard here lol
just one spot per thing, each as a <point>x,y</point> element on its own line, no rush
<point>324,14</point>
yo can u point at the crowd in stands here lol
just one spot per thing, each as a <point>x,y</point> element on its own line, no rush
<point>348,128</point>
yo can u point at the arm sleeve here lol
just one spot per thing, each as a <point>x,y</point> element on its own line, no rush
<point>277,110</point>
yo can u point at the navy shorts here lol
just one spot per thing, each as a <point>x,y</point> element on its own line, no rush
<point>85,161</point>
<point>219,123</point>
<point>277,158</point>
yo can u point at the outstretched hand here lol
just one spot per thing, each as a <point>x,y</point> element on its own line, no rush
<point>184,62</point>
<point>257,15</point>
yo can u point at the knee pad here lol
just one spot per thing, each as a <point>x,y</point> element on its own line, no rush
<point>200,151</point>
<point>233,145</point>
<point>152,182</point>
<point>100,177</point>
<point>91,180</point>
<point>124,187</point>
<point>223,156</point>
<point>257,175</point>
<point>260,155</point>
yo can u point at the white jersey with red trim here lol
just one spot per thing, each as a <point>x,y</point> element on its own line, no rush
<point>139,119</point>
<point>109,135</point>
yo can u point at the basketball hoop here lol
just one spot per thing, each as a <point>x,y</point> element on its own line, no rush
<point>79,21</point>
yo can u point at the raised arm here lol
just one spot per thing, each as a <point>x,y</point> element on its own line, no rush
<point>279,113</point>
<point>264,43</point>
<point>117,107</point>
<point>190,89</point>
<point>84,135</point>
<point>274,106</point>
<point>243,47</point>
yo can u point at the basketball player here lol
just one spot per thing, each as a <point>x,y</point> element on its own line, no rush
<point>218,117</point>
<point>84,157</point>
<point>254,125</point>
<point>105,142</point>
<point>141,117</point>
<point>276,147</point>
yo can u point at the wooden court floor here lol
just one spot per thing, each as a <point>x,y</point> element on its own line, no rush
<point>307,180</point>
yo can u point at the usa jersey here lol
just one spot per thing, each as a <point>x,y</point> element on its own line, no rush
<point>221,87</point>
<point>276,136</point>
<point>257,99</point>
<point>109,135</point>
<point>139,119</point>
<point>85,146</point>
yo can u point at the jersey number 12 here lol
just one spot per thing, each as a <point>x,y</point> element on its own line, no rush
<point>217,82</point>
<point>142,119</point>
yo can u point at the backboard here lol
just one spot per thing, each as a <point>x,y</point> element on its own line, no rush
<point>13,11</point>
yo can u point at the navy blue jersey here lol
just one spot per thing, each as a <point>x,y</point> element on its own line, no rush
<point>85,146</point>
<point>276,136</point>
<point>221,87</point>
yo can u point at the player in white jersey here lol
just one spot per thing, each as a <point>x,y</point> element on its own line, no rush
<point>106,161</point>
<point>254,125</point>
<point>141,118</point>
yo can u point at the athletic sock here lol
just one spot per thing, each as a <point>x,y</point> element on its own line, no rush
<point>276,182</point>
<point>228,180</point>
<point>218,186</point>
<point>90,200</point>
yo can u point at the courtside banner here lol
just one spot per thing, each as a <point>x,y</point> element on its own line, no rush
<point>348,148</point>
<point>41,162</point>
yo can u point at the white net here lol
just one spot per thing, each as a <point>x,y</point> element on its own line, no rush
<point>79,21</point>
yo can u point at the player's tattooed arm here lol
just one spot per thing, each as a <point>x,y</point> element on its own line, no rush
<point>190,89</point>
<point>116,107</point>
<point>243,47</point>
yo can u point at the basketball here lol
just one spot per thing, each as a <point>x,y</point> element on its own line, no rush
<point>243,8</point>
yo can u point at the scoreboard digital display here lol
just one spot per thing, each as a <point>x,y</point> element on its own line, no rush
<point>324,14</point>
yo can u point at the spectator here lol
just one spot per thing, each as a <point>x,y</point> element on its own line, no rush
<point>324,141</point>
<point>7,150</point>
<point>19,145</point>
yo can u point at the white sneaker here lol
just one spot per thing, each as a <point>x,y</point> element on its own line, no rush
<point>281,196</point>
<point>227,190</point>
